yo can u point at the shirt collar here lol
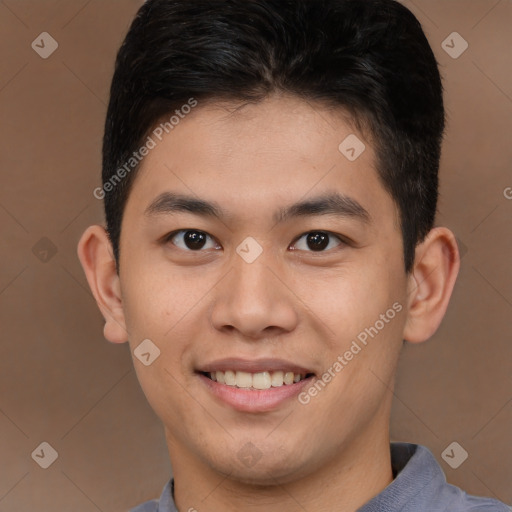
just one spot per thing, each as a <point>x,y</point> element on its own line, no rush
<point>415,468</point>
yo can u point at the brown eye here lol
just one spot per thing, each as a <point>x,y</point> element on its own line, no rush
<point>317,241</point>
<point>190,239</point>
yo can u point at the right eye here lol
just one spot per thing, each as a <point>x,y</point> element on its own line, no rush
<point>189,239</point>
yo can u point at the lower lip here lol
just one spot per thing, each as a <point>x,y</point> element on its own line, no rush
<point>250,400</point>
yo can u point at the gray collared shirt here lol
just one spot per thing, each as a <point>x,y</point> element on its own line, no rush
<point>419,486</point>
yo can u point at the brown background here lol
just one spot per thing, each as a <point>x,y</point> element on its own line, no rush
<point>62,383</point>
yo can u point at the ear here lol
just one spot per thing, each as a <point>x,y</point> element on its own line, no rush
<point>97,259</point>
<point>431,284</point>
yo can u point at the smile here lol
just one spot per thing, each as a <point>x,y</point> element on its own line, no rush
<point>256,381</point>
<point>254,386</point>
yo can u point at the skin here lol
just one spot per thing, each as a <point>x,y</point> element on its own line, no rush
<point>295,304</point>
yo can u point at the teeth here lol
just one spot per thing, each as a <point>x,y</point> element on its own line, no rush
<point>261,380</point>
<point>243,379</point>
<point>229,378</point>
<point>277,379</point>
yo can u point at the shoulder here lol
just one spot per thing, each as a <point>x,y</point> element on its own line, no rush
<point>420,485</point>
<point>148,506</point>
<point>459,500</point>
<point>442,496</point>
<point>164,504</point>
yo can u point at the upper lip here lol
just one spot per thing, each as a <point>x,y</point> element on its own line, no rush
<point>253,366</point>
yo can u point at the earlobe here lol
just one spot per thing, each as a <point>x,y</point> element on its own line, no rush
<point>431,284</point>
<point>95,253</point>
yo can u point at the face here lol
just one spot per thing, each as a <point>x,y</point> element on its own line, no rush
<point>248,294</point>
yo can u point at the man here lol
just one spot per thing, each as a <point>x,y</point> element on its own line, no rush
<point>270,187</point>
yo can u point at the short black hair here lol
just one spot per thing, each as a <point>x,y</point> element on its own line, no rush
<point>369,57</point>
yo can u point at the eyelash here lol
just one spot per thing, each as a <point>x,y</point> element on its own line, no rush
<point>168,238</point>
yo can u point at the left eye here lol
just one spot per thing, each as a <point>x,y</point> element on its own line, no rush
<point>191,239</point>
<point>318,241</point>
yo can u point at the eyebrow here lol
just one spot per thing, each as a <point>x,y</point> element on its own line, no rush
<point>328,204</point>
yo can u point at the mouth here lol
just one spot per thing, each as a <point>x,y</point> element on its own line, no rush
<point>256,381</point>
<point>254,386</point>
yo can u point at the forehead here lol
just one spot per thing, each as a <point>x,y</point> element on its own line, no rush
<point>255,155</point>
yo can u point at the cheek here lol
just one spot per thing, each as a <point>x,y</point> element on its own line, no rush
<point>366,314</point>
<point>349,301</point>
<point>155,298</point>
<point>161,309</point>
<point>167,308</point>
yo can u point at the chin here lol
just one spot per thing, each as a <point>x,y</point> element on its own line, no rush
<point>263,476</point>
<point>263,469</point>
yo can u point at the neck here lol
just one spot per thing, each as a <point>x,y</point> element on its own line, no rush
<point>353,476</point>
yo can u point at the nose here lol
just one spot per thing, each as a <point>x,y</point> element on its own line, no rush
<point>254,300</point>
